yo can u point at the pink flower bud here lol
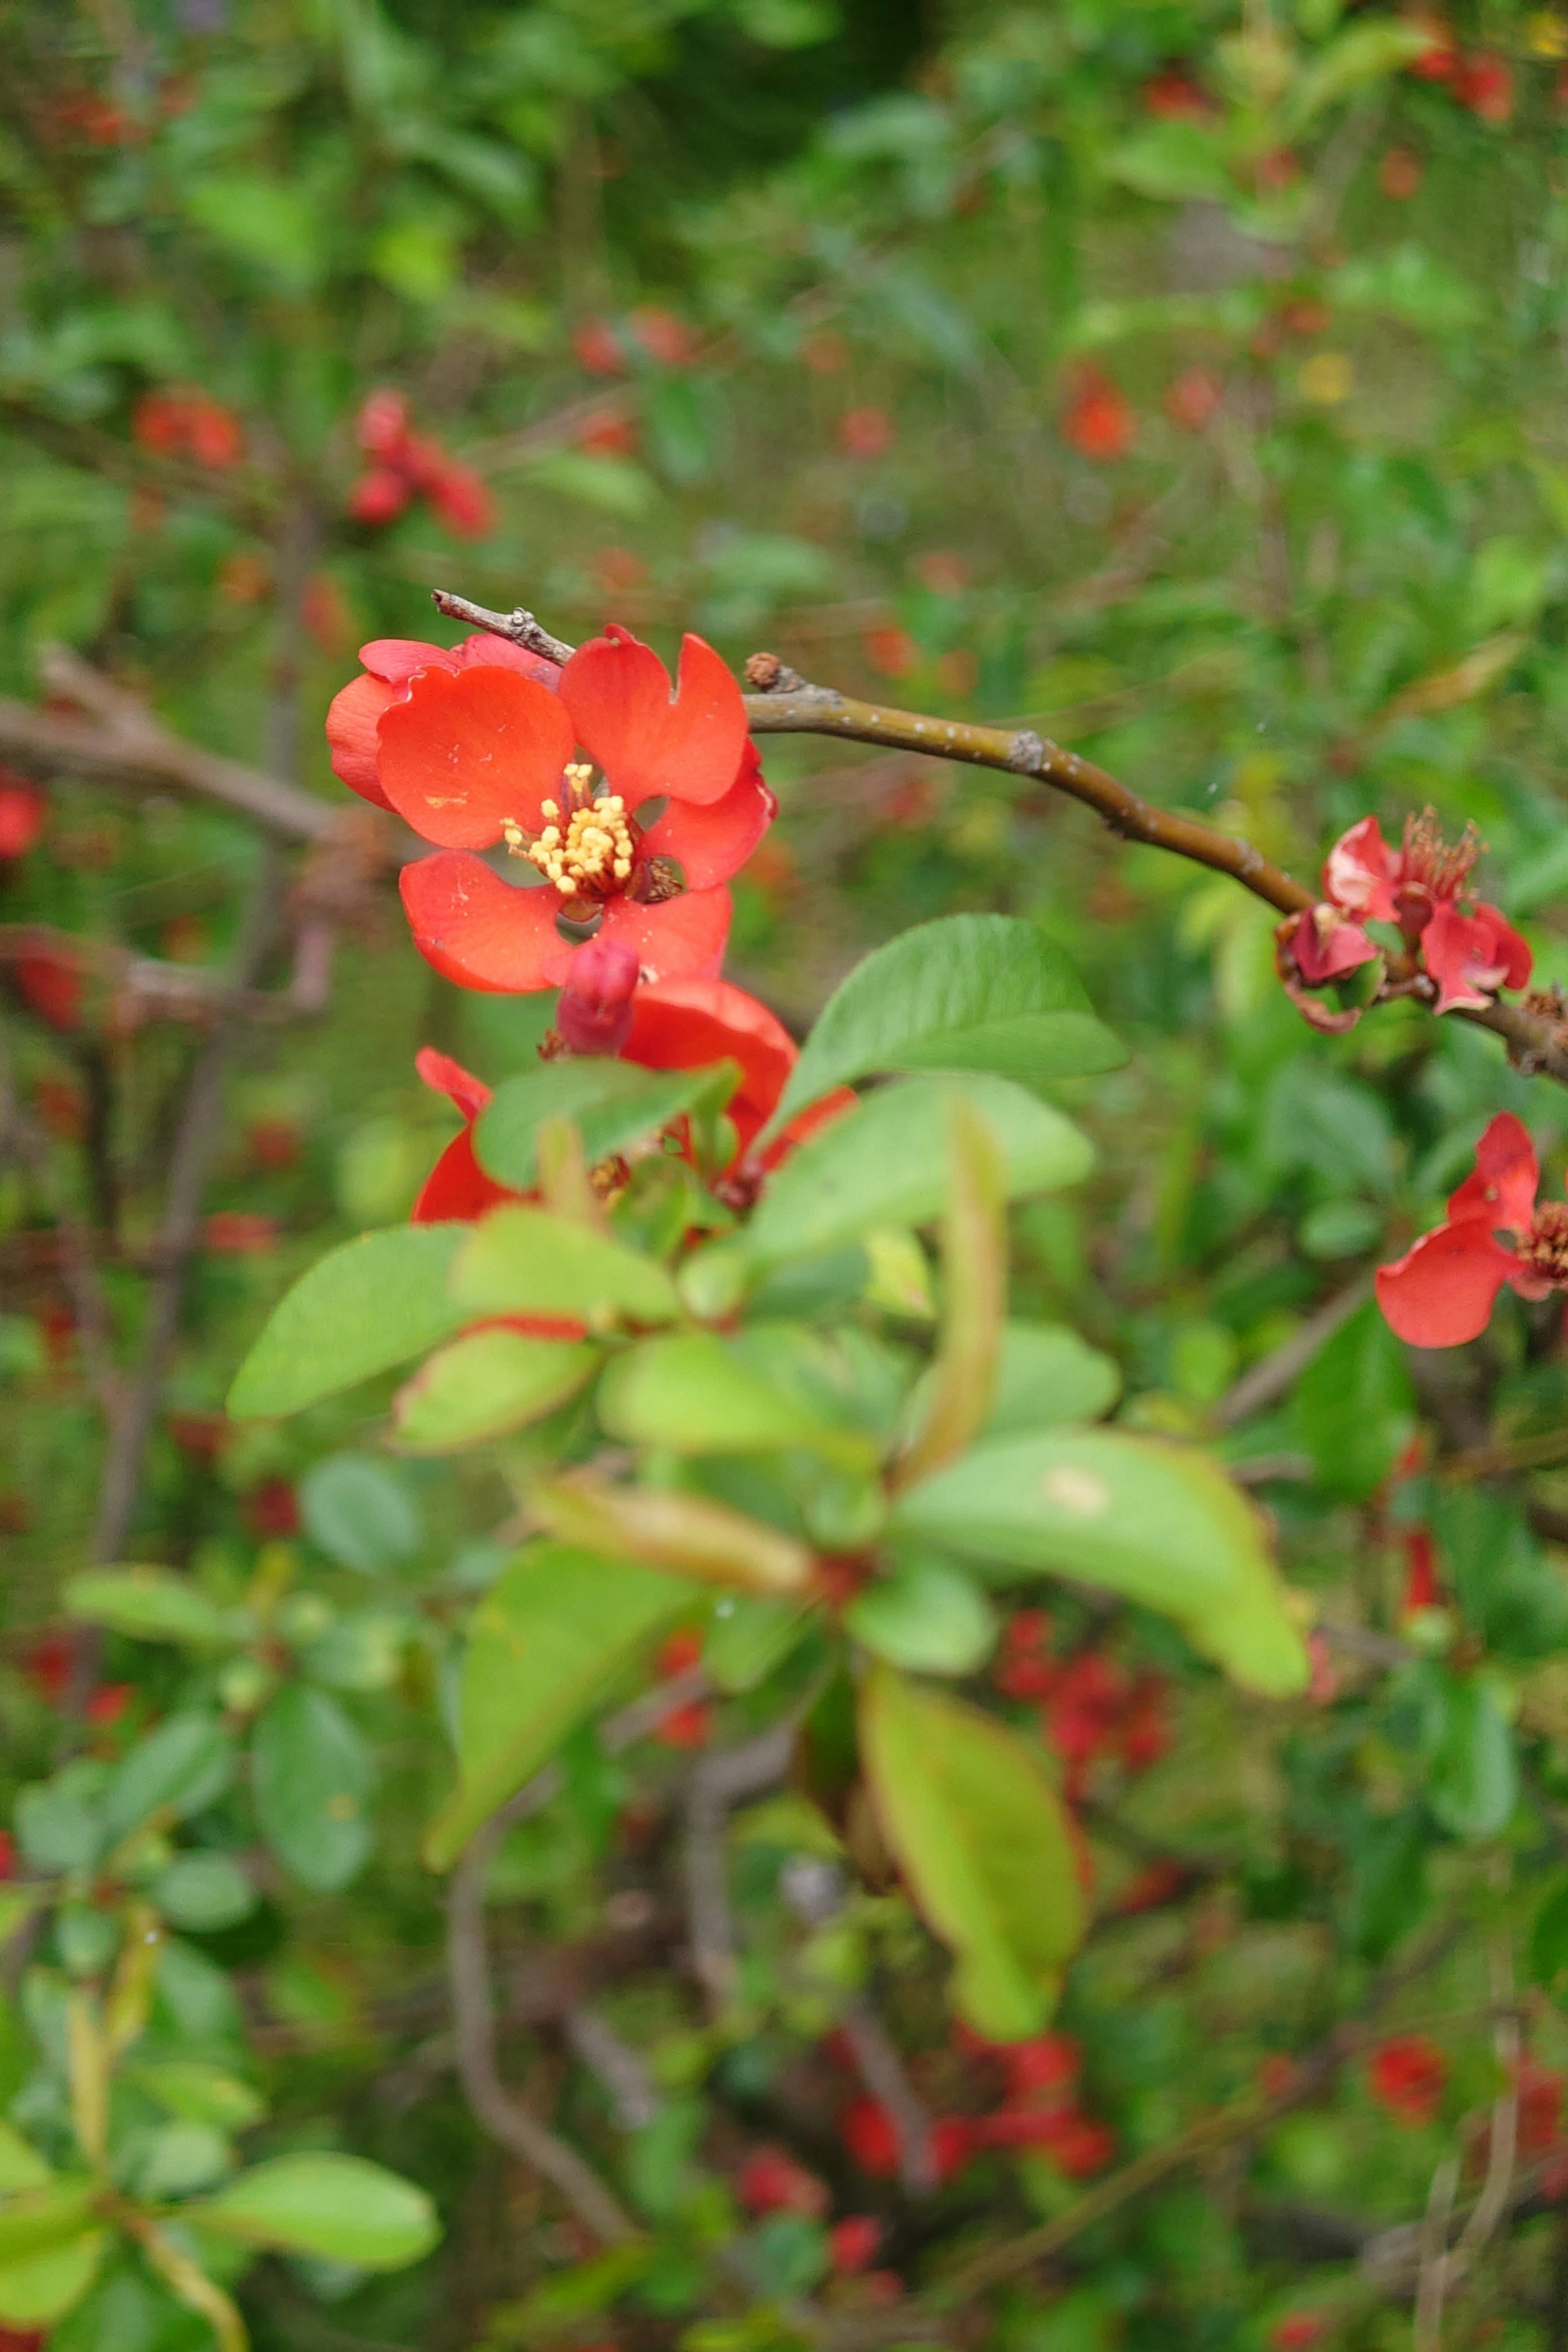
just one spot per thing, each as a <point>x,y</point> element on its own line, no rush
<point>595,1012</point>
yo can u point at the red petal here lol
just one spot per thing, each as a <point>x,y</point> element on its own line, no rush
<point>498,653</point>
<point>466,750</point>
<point>678,939</point>
<point>617,691</point>
<point>1326,945</point>
<point>680,1025</point>
<point>1471,956</point>
<point>457,1186</point>
<point>806,1123</point>
<point>1356,874</point>
<point>1441,1293</point>
<point>462,1089</point>
<point>351,718</point>
<point>712,842</point>
<point>396,660</point>
<point>1502,1188</point>
<point>478,931</point>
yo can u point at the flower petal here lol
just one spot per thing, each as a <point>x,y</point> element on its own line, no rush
<point>351,719</point>
<point>462,1089</point>
<point>1501,1189</point>
<point>467,750</point>
<point>498,653</point>
<point>680,1025</point>
<point>1472,956</point>
<point>1357,872</point>
<point>1441,1292</point>
<point>806,1123</point>
<point>457,1187</point>
<point>711,843</point>
<point>617,691</point>
<point>396,660</point>
<point>478,930</point>
<point>1326,944</point>
<point>677,938</point>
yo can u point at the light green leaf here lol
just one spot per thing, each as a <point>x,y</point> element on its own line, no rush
<point>523,1261</point>
<point>1362,53</point>
<point>203,1891</point>
<point>1156,1522</point>
<point>925,1616</point>
<point>611,1103</point>
<point>198,2093</point>
<point>965,992</point>
<point>548,1641</point>
<point>609,485</point>
<point>1048,1374</point>
<point>367,1306</point>
<point>312,1779</point>
<point>748,1636</point>
<point>37,2220</point>
<point>484,1384</point>
<point>692,1393</point>
<point>185,1764</point>
<point>270,222</point>
<point>21,2166</point>
<point>887,1163</point>
<point>360,1513</point>
<point>339,2207</point>
<point>982,1841</point>
<point>37,2289</point>
<point>150,1604</point>
<point>1473,1784</point>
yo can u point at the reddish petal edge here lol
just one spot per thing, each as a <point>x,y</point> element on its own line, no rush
<point>618,693</point>
<point>713,840</point>
<point>1442,1291</point>
<point>457,1187</point>
<point>678,939</point>
<point>479,932</point>
<point>444,1076</point>
<point>466,751</point>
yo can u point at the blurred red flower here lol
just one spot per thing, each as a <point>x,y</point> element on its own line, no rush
<point>866,432</point>
<point>22,811</point>
<point>240,1233</point>
<point>771,2182</point>
<point>1098,418</point>
<point>852,2243</point>
<point>1406,2077</point>
<point>1191,398</point>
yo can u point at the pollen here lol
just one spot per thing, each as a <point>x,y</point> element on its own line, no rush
<point>1544,1248</point>
<point>587,843</point>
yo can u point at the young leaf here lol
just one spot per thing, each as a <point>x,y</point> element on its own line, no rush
<point>203,1891</point>
<point>523,1261</point>
<point>37,2220</point>
<point>964,992</point>
<point>313,1778</point>
<point>982,1841</point>
<point>21,2166</point>
<point>1473,1783</point>
<point>360,1513</point>
<point>198,2093</point>
<point>611,1103</point>
<point>548,1643</point>
<point>367,1306</point>
<point>692,1393</point>
<point>39,2288</point>
<point>927,1615</point>
<point>487,1383</point>
<point>887,1163</point>
<point>150,1604</point>
<point>338,2207</point>
<point>683,1535</point>
<point>1156,1522</point>
<point>956,1397</point>
<point>1354,1405</point>
<point>1047,1375</point>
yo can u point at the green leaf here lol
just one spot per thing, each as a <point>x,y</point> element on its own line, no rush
<point>680,1534</point>
<point>1362,53</point>
<point>982,1841</point>
<point>367,1306</point>
<point>887,1162</point>
<point>183,1765</point>
<point>198,2093</point>
<point>487,1383</point>
<point>269,222</point>
<point>21,2166</point>
<point>955,1395</point>
<point>1156,1522</point>
<point>149,1605</point>
<point>1047,1375</point>
<point>339,2207</point>
<point>1355,1406</point>
<point>40,2288</point>
<point>548,1643</point>
<point>360,1513</point>
<point>1549,1938</point>
<point>1472,1784</point>
<point>965,992</point>
<point>926,1616</point>
<point>312,1779</point>
<point>37,2220</point>
<point>748,1636</point>
<point>611,1103</point>
<point>523,1261</point>
<point>200,1892</point>
<point>692,1392</point>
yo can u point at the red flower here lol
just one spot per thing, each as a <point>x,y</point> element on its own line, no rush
<point>1442,1291</point>
<point>1423,888</point>
<point>1406,2077</point>
<point>457,1186</point>
<point>871,2136</point>
<point>770,2181</point>
<point>404,463</point>
<point>1439,60</point>
<point>1296,2331</point>
<point>687,1726</point>
<point>379,497</point>
<point>8,1855</point>
<point>175,423</point>
<point>866,432</point>
<point>1173,96</point>
<point>663,336</point>
<point>272,1509</point>
<point>391,663</point>
<point>484,755</point>
<point>462,500</point>
<point>1540,2092</point>
<point>1421,1587</point>
<point>1098,419</point>
<point>598,348</point>
<point>381,428</point>
<point>1485,84</point>
<point>49,1665</point>
<point>23,808</point>
<point>54,985</point>
<point>852,2243</point>
<point>108,1702</point>
<point>240,1233</point>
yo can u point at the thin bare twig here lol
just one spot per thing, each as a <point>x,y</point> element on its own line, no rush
<point>617,2066</point>
<point>880,2068</point>
<point>722,1780</point>
<point>1268,1379</point>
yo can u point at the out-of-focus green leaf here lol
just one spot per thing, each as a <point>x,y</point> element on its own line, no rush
<point>150,1604</point>
<point>1047,1374</point>
<point>363,1308</point>
<point>1473,1783</point>
<point>337,2206</point>
<point>688,1390</point>
<point>926,1616</point>
<point>183,1765</point>
<point>312,1776</point>
<point>203,1891</point>
<point>39,2288</point>
<point>485,1383</point>
<point>1354,1405</point>
<point>680,1534</point>
<point>612,1105</point>
<point>360,1513</point>
<point>523,1261</point>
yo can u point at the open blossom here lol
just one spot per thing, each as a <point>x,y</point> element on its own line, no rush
<point>1465,946</point>
<point>1442,1291</point>
<point>482,755</point>
<point>391,664</point>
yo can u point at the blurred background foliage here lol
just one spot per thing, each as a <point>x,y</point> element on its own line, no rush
<point>1183,380</point>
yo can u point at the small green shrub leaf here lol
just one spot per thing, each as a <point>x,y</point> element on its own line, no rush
<point>367,1306</point>
<point>339,2207</point>
<point>312,1779</point>
<point>486,1383</point>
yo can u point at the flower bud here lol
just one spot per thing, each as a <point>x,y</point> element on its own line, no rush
<point>595,1012</point>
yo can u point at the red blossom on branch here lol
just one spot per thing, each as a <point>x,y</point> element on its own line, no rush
<point>1098,419</point>
<point>1406,2077</point>
<point>482,755</point>
<point>391,664</point>
<point>22,811</point>
<point>1442,1291</point>
<point>406,465</point>
<point>1465,946</point>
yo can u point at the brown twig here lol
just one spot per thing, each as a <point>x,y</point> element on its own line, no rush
<point>1268,1379</point>
<point>721,1781</point>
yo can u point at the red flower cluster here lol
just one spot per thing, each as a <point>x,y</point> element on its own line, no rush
<point>404,465</point>
<point>690,1726</point>
<point>1406,2076</point>
<point>1039,2109</point>
<point>1092,1707</point>
<point>1442,1291</point>
<point>1173,96</point>
<point>651,332</point>
<point>22,809</point>
<point>1098,418</point>
<point>1480,80</point>
<point>771,2182</point>
<point>1464,946</point>
<point>188,424</point>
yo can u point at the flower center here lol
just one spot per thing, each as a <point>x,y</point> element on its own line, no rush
<point>1433,868</point>
<point>1544,1248</point>
<point>588,846</point>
